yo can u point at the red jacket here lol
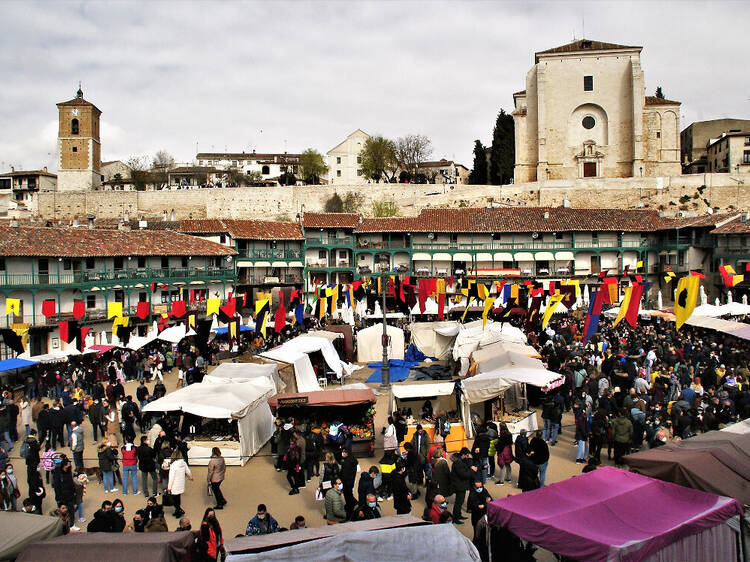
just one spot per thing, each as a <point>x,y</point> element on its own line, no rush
<point>129,458</point>
<point>435,512</point>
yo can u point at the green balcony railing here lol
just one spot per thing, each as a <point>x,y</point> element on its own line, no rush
<point>530,245</point>
<point>77,278</point>
<point>271,253</point>
<point>329,241</point>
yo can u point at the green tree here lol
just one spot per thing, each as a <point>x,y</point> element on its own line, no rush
<point>312,166</point>
<point>352,202</point>
<point>334,204</point>
<point>379,159</point>
<point>384,208</point>
<point>503,154</point>
<point>478,175</point>
<point>659,94</point>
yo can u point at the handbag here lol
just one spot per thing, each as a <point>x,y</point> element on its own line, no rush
<point>167,500</point>
<point>209,490</point>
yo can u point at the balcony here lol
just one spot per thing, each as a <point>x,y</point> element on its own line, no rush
<point>113,277</point>
<point>325,264</point>
<point>271,253</point>
<point>262,279</point>
<point>329,241</point>
<point>367,244</point>
<point>532,245</point>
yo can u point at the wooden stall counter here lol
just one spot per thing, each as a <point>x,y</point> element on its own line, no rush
<point>454,441</point>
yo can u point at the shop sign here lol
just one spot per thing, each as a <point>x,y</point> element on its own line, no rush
<point>293,401</point>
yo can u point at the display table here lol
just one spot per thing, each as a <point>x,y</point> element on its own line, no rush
<point>199,452</point>
<point>454,442</point>
<point>516,422</point>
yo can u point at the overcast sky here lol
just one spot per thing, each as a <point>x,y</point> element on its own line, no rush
<point>274,76</point>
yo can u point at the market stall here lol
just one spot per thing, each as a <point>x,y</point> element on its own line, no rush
<point>250,371</point>
<point>574,519</point>
<point>475,336</point>
<point>297,352</point>
<point>422,402</point>
<point>230,413</point>
<point>370,344</point>
<point>431,339</point>
<point>353,408</point>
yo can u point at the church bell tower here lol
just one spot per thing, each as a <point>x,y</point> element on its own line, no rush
<point>78,145</point>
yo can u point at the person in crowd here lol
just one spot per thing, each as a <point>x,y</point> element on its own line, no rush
<point>262,523</point>
<point>439,510</point>
<point>335,507</point>
<point>401,493</point>
<point>420,443</point>
<point>184,525</point>
<point>477,504</point>
<point>539,454</point>
<point>348,478</point>
<point>147,465</point>
<point>119,523</point>
<point>129,455</point>
<point>441,473</point>
<point>298,523</point>
<point>622,430</point>
<point>107,459</point>
<point>178,473</point>
<point>504,455</point>
<point>215,476</point>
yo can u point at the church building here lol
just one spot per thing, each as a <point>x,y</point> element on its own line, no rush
<point>78,145</point>
<point>584,113</point>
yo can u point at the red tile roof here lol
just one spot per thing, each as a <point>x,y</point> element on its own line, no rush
<point>734,226</point>
<point>330,220</point>
<point>653,100</point>
<point>436,163</point>
<point>29,173</point>
<point>264,230</point>
<point>151,224</point>
<point>696,222</point>
<point>521,219</point>
<point>202,226</point>
<point>585,45</point>
<point>78,102</point>
<point>84,242</point>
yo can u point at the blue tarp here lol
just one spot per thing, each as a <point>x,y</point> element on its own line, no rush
<point>398,370</point>
<point>15,363</point>
<point>413,354</point>
<point>243,328</point>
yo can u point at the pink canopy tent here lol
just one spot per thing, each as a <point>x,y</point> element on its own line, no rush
<point>611,514</point>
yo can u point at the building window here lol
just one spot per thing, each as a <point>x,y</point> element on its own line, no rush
<point>91,301</point>
<point>265,170</point>
<point>74,127</point>
<point>222,239</point>
<point>338,173</point>
<point>2,264</point>
<point>5,183</point>
<point>75,149</point>
<point>164,262</point>
<point>141,262</point>
<point>747,141</point>
<point>338,159</point>
<point>588,122</point>
<point>321,254</point>
<point>658,134</point>
<point>359,172</point>
<point>746,157</point>
<point>119,263</point>
<point>120,296</point>
<point>90,262</point>
<point>588,83</point>
<point>183,262</point>
<point>67,264</point>
<point>142,297</point>
<point>359,159</point>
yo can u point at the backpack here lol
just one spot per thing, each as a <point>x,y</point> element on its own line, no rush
<point>446,429</point>
<point>25,450</point>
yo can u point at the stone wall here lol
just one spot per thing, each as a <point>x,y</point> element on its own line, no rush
<point>720,190</point>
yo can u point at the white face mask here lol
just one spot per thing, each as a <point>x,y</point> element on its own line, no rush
<point>340,486</point>
<point>261,516</point>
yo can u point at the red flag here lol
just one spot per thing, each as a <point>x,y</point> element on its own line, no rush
<point>48,308</point>
<point>163,286</point>
<point>422,295</point>
<point>747,266</point>
<point>279,320</point>
<point>191,296</point>
<point>631,316</point>
<point>153,287</point>
<point>698,274</point>
<point>178,309</point>
<point>82,341</point>
<point>142,310</point>
<point>230,308</point>
<point>441,305</point>
<point>449,281</point>
<point>63,327</point>
<point>79,309</point>
<point>282,301</point>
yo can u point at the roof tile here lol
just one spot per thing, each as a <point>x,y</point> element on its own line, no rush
<point>330,220</point>
<point>264,230</point>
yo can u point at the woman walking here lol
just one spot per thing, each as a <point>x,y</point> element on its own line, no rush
<point>178,471</point>
<point>216,472</point>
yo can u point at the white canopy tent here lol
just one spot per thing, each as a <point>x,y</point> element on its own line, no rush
<point>295,352</point>
<point>175,334</point>
<point>506,359</point>
<point>244,400</point>
<point>430,340</point>
<point>137,342</point>
<point>473,337</point>
<point>495,349</point>
<point>430,307</point>
<point>249,371</point>
<point>370,344</point>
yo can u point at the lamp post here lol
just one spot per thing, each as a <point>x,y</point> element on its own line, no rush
<point>385,382</point>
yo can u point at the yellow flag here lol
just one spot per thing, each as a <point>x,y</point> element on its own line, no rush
<point>687,295</point>
<point>114,310</point>
<point>335,299</point>
<point>233,330</point>
<point>322,307</point>
<point>22,331</point>
<point>487,307</point>
<point>468,303</point>
<point>191,320</point>
<point>440,286</point>
<point>13,306</point>
<point>212,306</point>
<point>120,321</point>
<point>575,283</point>
<point>482,291</point>
<point>623,306</point>
<point>259,304</point>
<point>551,306</point>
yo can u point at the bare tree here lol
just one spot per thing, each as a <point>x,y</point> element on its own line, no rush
<point>410,151</point>
<point>138,163</point>
<point>163,160</point>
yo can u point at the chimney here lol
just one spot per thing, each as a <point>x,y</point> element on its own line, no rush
<point>566,203</point>
<point>744,217</point>
<point>164,216</point>
<point>45,168</point>
<point>546,215</point>
<point>126,217</point>
<point>90,220</point>
<point>123,225</point>
<point>12,169</point>
<point>172,216</point>
<point>14,223</point>
<point>142,224</point>
<point>75,221</point>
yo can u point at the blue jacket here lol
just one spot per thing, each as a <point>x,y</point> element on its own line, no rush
<point>257,527</point>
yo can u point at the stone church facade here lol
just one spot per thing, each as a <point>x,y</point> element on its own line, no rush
<point>584,113</point>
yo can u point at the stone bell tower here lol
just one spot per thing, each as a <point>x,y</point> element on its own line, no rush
<point>78,145</point>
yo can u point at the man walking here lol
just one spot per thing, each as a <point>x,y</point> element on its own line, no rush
<point>462,475</point>
<point>76,445</point>
<point>421,443</point>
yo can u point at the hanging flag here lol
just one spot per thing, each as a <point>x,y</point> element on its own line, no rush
<point>279,320</point>
<point>487,307</point>
<point>153,287</point>
<point>591,325</point>
<point>13,306</point>
<point>81,338</point>
<point>610,290</point>
<point>79,309</point>
<point>634,305</point>
<point>729,276</point>
<point>228,311</point>
<point>22,331</point>
<point>638,264</point>
<point>114,310</point>
<point>142,310</point>
<point>299,314</point>
<point>262,310</point>
<point>532,314</point>
<point>212,306</point>
<point>441,306</point>
<point>12,340</point>
<point>669,276</point>
<point>322,308</point>
<point>178,309</point>
<point>554,300</point>
<point>191,296</point>
<point>62,327</point>
<point>623,306</point>
<point>422,295</point>
<point>119,321</point>
<point>233,329</point>
<point>698,274</point>
<point>687,295</point>
<point>334,299</point>
<point>191,321</point>
<point>48,308</point>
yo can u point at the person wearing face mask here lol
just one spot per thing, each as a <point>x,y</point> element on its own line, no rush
<point>477,503</point>
<point>103,521</point>
<point>439,510</point>
<point>139,521</point>
<point>401,494</point>
<point>119,522</point>
<point>334,504</point>
<point>67,491</point>
<point>262,523</point>
<point>299,523</point>
<point>211,538</point>
<point>15,493</point>
<point>371,508</point>
<point>157,522</point>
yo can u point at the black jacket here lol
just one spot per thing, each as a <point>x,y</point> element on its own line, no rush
<point>67,490</point>
<point>475,500</point>
<point>57,418</point>
<point>401,500</point>
<point>349,469</point>
<point>482,442</point>
<point>539,450</point>
<point>461,475</point>
<point>146,458</point>
<point>32,458</point>
<point>103,522</point>
<point>72,412</point>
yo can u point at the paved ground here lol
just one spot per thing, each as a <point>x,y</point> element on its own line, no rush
<point>258,482</point>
